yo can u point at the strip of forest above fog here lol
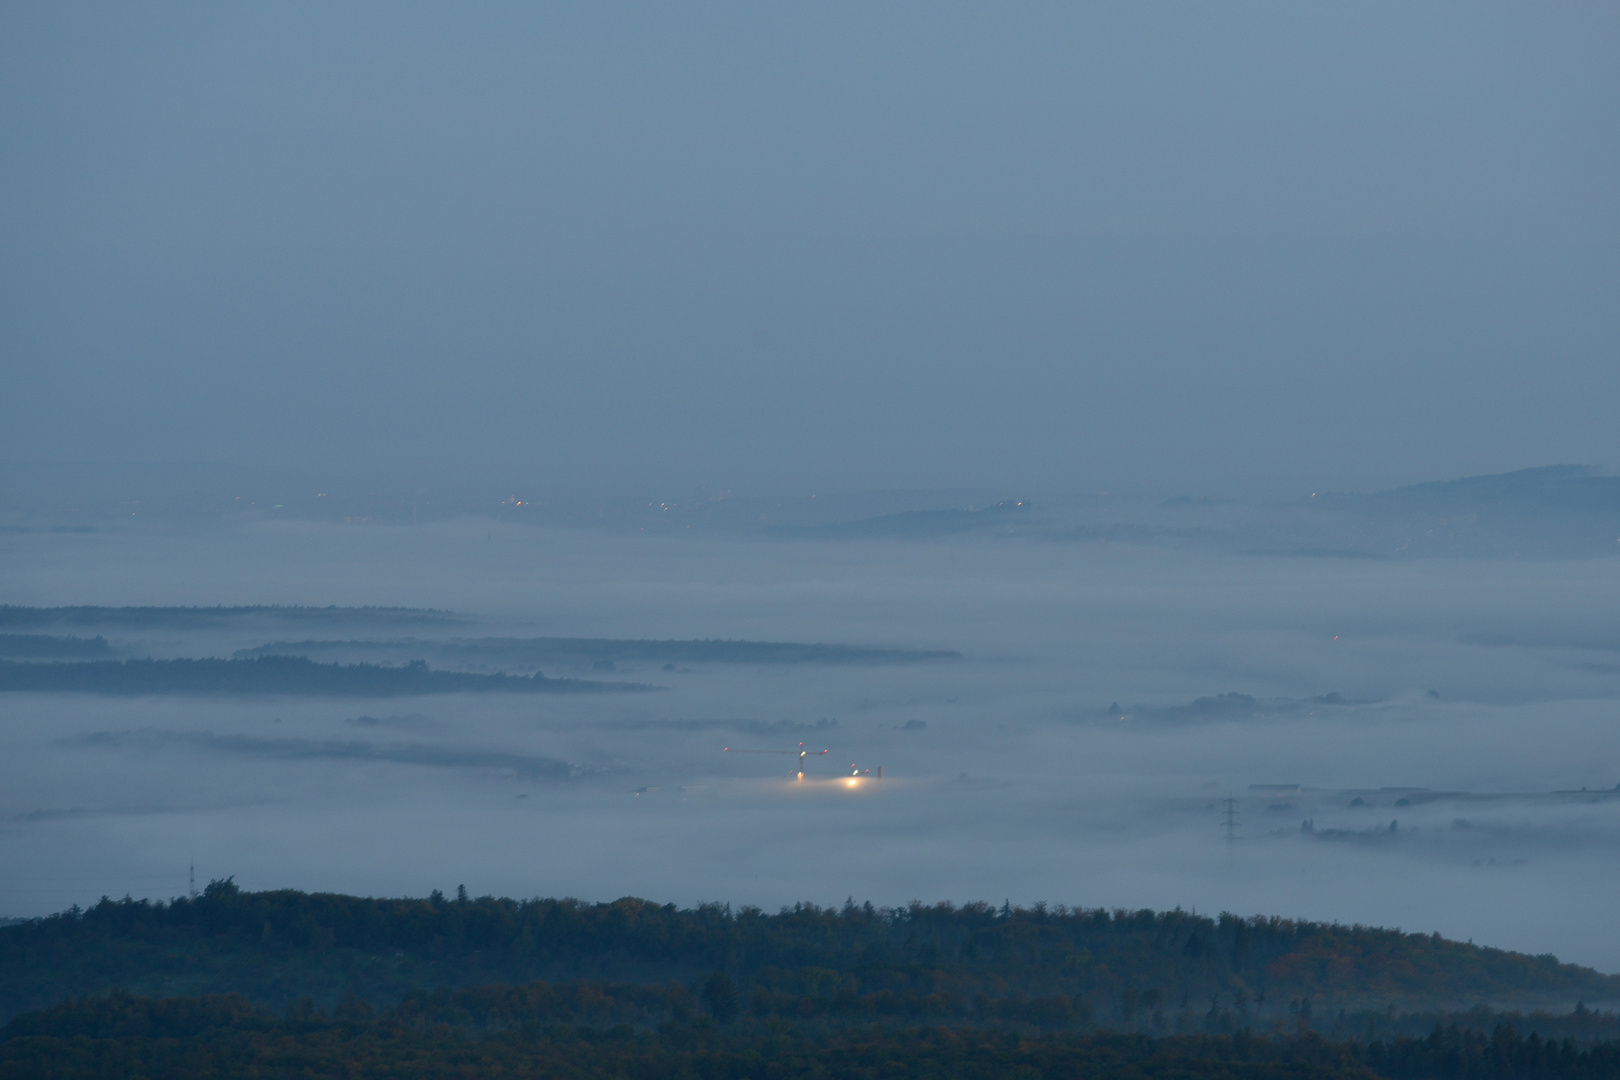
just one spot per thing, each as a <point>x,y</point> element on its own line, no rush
<point>69,663</point>
<point>610,650</point>
<point>19,616</point>
<point>276,675</point>
<point>706,650</point>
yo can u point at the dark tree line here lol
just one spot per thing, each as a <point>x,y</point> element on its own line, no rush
<point>15,615</point>
<point>590,1031</point>
<point>553,649</point>
<point>1159,972</point>
<point>273,675</point>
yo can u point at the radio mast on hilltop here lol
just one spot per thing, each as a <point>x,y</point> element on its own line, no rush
<point>193,886</point>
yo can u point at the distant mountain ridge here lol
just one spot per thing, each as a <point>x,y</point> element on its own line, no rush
<point>1563,488</point>
<point>1550,511</point>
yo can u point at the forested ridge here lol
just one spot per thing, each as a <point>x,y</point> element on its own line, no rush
<point>273,675</point>
<point>1155,969</point>
<point>272,984</point>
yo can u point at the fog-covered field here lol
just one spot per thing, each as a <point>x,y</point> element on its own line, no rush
<point>1065,757</point>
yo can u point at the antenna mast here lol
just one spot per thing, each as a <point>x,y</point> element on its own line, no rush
<point>193,886</point>
<point>1229,819</point>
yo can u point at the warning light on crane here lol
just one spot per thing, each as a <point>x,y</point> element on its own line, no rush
<point>802,752</point>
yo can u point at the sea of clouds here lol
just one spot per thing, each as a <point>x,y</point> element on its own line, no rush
<point>1061,759</point>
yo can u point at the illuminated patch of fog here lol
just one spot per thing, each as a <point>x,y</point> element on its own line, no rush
<point>1007,775</point>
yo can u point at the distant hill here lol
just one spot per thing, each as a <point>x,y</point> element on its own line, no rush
<point>1556,490</point>
<point>1553,511</point>
<point>1117,967</point>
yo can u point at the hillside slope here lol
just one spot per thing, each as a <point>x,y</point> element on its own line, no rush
<point>279,947</point>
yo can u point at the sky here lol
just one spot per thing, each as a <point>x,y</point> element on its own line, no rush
<point>623,249</point>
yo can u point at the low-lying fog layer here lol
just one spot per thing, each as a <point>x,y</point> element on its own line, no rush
<point>1077,752</point>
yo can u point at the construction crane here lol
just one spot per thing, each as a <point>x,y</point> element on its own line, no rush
<point>801,751</point>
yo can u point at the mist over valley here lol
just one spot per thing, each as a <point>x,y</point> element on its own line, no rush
<point>1057,722</point>
<point>772,542</point>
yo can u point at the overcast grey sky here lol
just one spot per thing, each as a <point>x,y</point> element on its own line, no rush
<point>1232,248</point>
